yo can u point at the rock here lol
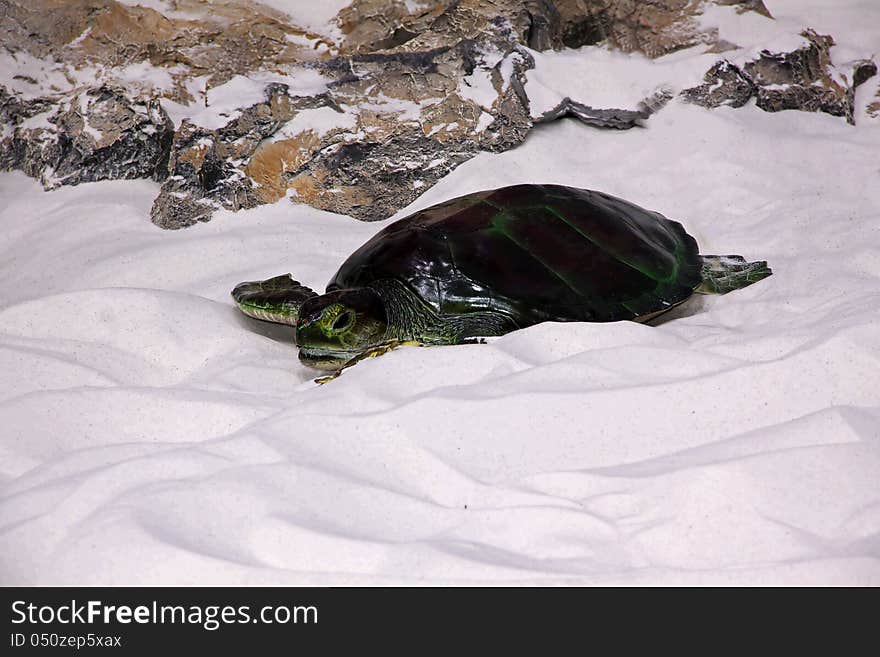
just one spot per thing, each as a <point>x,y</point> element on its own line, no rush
<point>233,106</point>
<point>92,134</point>
<point>207,168</point>
<point>873,108</point>
<point>862,71</point>
<point>420,89</point>
<point>607,118</point>
<point>655,28</point>
<point>803,79</point>
<point>228,38</point>
<point>389,126</point>
<point>724,84</point>
<point>406,118</point>
<point>102,71</point>
<point>374,25</point>
<point>408,92</point>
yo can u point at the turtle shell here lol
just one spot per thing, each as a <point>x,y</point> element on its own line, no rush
<point>535,253</point>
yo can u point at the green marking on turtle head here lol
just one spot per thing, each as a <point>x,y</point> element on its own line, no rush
<point>335,327</point>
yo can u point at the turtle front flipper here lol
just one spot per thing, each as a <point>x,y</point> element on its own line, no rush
<point>723,274</point>
<point>276,299</point>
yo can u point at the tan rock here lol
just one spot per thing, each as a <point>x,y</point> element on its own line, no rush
<point>273,164</point>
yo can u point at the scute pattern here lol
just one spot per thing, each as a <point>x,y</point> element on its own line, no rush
<point>535,253</point>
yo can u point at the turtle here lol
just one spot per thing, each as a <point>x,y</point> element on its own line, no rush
<point>492,262</point>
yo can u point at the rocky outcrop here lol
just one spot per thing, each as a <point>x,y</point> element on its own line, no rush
<point>404,93</point>
<point>192,40</point>
<point>95,134</point>
<point>723,84</point>
<point>654,28</point>
<point>802,79</point>
<point>386,126</point>
<point>411,95</point>
<point>233,105</point>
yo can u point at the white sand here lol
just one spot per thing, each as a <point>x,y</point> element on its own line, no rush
<point>150,434</point>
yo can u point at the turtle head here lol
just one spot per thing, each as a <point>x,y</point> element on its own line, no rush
<point>335,327</point>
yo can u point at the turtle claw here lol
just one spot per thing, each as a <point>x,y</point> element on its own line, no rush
<point>321,380</point>
<point>379,350</point>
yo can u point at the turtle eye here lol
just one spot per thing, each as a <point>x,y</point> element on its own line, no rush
<point>343,321</point>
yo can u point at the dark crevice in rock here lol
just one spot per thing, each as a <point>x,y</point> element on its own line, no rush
<point>399,37</point>
<point>863,71</point>
<point>540,31</point>
<point>588,32</point>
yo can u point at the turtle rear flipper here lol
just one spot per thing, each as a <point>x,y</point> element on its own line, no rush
<point>276,299</point>
<point>723,274</point>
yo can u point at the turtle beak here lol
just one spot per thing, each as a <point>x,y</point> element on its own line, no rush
<point>316,349</point>
<point>323,360</point>
<point>337,326</point>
